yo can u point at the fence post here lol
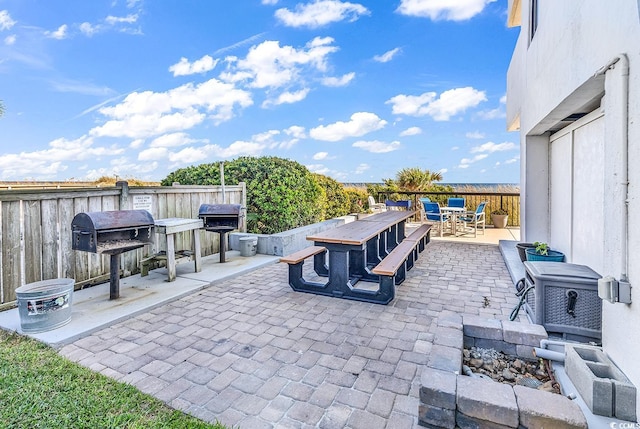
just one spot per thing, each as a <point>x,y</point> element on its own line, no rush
<point>124,193</point>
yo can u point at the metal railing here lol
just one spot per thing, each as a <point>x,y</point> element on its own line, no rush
<point>508,201</point>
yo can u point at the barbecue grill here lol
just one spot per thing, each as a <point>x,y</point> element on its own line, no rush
<point>112,233</point>
<point>220,218</point>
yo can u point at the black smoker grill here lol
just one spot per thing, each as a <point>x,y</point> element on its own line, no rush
<point>112,233</point>
<point>220,218</point>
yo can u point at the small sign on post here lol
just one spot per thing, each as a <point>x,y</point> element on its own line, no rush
<point>142,202</point>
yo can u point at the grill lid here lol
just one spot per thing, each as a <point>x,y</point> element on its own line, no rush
<point>219,210</point>
<point>112,220</point>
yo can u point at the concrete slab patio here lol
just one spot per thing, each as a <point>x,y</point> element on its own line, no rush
<point>249,351</point>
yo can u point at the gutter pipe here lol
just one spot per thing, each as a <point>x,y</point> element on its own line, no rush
<point>624,179</point>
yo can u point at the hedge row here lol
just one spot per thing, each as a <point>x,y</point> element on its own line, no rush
<point>281,194</point>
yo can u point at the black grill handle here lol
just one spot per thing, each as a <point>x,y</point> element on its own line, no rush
<point>572,297</point>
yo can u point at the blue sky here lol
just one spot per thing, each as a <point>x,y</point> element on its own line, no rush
<point>356,90</point>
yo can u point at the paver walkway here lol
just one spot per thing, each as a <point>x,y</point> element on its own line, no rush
<point>252,352</point>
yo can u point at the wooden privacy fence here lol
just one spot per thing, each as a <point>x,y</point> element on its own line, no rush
<point>35,235</point>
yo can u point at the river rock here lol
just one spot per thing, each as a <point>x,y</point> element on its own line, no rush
<point>476,363</point>
<point>508,375</point>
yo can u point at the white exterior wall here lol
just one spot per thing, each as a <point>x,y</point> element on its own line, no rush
<point>549,78</point>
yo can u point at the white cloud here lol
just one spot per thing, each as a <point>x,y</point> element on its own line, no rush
<point>5,20</point>
<point>458,10</point>
<point>146,114</point>
<point>140,125</point>
<point>411,131</point>
<point>185,68</point>
<point>443,170</point>
<point>496,113</point>
<point>238,148</point>
<point>387,56</point>
<point>376,146</point>
<point>361,168</point>
<point>450,103</point>
<point>189,155</point>
<point>320,13</point>
<point>172,140</point>
<point>59,34</point>
<point>79,87</point>
<point>320,156</point>
<point>493,147</point>
<point>49,162</point>
<point>129,19</point>
<point>153,153</point>
<point>269,65</point>
<point>269,2</point>
<point>88,29</point>
<point>512,160</point>
<point>465,162</point>
<point>295,131</point>
<point>410,104</point>
<point>360,124</point>
<point>318,168</point>
<point>10,40</point>
<point>122,167</point>
<point>123,24</point>
<point>338,81</point>
<point>474,135</point>
<point>287,98</point>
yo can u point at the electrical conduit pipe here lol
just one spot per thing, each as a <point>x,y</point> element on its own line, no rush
<point>624,179</point>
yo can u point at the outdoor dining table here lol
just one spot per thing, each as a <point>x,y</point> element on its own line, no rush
<point>388,240</point>
<point>454,212</point>
<point>354,248</point>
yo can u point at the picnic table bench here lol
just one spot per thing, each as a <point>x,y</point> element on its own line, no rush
<point>354,251</point>
<point>401,259</point>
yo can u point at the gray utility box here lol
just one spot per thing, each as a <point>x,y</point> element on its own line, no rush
<point>564,299</point>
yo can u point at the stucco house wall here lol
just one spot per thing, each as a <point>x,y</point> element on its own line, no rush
<point>570,66</point>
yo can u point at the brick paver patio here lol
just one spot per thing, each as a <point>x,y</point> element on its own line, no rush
<point>252,352</point>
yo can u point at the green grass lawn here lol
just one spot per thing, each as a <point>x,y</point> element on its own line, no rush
<point>41,389</point>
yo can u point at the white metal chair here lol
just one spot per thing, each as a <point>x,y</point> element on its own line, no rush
<point>474,219</point>
<point>376,207</point>
<point>434,214</point>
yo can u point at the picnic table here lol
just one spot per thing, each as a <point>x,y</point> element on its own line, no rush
<point>353,250</point>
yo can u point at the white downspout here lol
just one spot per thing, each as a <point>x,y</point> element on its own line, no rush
<point>624,179</point>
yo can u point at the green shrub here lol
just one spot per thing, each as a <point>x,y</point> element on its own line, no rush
<point>334,201</point>
<point>357,197</point>
<point>281,194</point>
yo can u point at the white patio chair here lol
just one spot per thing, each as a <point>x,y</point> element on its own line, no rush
<point>376,207</point>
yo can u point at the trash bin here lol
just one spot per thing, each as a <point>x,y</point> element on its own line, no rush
<point>564,299</point>
<point>45,305</point>
<point>248,246</point>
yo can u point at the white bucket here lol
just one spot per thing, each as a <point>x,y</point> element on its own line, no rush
<point>45,305</point>
<point>248,246</point>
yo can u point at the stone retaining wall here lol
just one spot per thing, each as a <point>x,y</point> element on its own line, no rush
<point>449,399</point>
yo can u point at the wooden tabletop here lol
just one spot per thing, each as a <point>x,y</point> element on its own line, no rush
<point>390,216</point>
<point>361,231</point>
<point>173,224</point>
